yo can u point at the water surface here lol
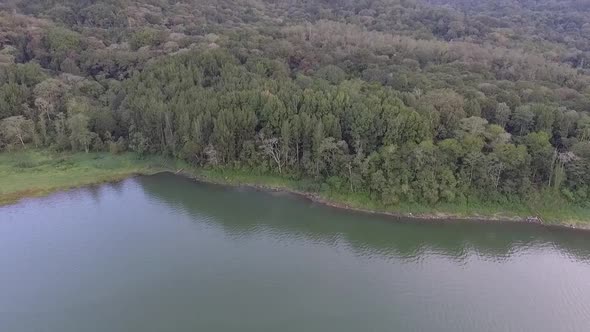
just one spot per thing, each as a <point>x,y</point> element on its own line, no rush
<point>163,253</point>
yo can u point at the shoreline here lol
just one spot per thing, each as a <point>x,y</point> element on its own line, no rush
<point>426,217</point>
<point>13,198</point>
<point>39,173</point>
<point>16,197</point>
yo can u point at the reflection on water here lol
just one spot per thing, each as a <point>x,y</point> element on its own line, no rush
<point>282,213</point>
<point>163,253</point>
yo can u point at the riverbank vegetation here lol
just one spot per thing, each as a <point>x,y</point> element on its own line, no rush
<point>549,209</point>
<point>40,172</point>
<point>397,104</point>
<point>36,173</point>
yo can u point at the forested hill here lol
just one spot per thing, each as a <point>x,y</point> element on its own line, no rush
<point>407,101</point>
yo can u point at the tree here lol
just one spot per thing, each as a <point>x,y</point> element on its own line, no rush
<point>448,108</point>
<point>272,148</point>
<point>48,97</point>
<point>80,136</point>
<point>522,120</point>
<point>223,135</point>
<point>60,42</point>
<point>61,138</point>
<point>472,126</point>
<point>104,15</point>
<point>503,113</point>
<point>514,169</point>
<point>583,125</point>
<point>541,152</point>
<point>496,135</point>
<point>286,140</point>
<point>472,107</point>
<point>146,37</point>
<point>332,74</point>
<point>17,129</point>
<point>317,140</point>
<point>566,122</point>
<point>139,143</point>
<point>13,99</point>
<point>544,118</point>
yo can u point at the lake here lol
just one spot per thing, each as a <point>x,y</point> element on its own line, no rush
<point>165,253</point>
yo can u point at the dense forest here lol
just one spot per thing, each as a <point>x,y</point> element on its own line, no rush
<point>406,100</point>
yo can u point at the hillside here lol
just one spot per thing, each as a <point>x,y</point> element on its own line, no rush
<point>427,102</point>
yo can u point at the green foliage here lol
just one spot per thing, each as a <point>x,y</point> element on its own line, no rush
<point>145,37</point>
<point>104,15</point>
<point>16,130</point>
<point>80,136</point>
<point>406,104</point>
<point>32,172</point>
<point>59,43</point>
<point>331,74</point>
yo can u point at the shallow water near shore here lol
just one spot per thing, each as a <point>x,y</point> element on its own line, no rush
<point>163,252</point>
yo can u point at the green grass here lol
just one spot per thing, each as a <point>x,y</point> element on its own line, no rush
<point>471,210</point>
<point>39,172</point>
<point>244,177</point>
<point>35,173</point>
<point>554,209</point>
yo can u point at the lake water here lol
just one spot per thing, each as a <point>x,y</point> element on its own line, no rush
<point>164,253</point>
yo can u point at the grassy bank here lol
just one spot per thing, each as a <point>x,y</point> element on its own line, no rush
<point>551,209</point>
<point>34,173</point>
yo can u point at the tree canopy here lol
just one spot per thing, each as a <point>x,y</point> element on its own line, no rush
<point>419,101</point>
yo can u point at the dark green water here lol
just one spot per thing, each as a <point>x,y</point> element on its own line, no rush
<point>163,253</point>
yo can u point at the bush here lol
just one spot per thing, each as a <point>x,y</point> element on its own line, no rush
<point>146,37</point>
<point>118,147</point>
<point>25,162</point>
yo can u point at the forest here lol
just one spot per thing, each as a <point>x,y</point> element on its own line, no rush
<point>433,101</point>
